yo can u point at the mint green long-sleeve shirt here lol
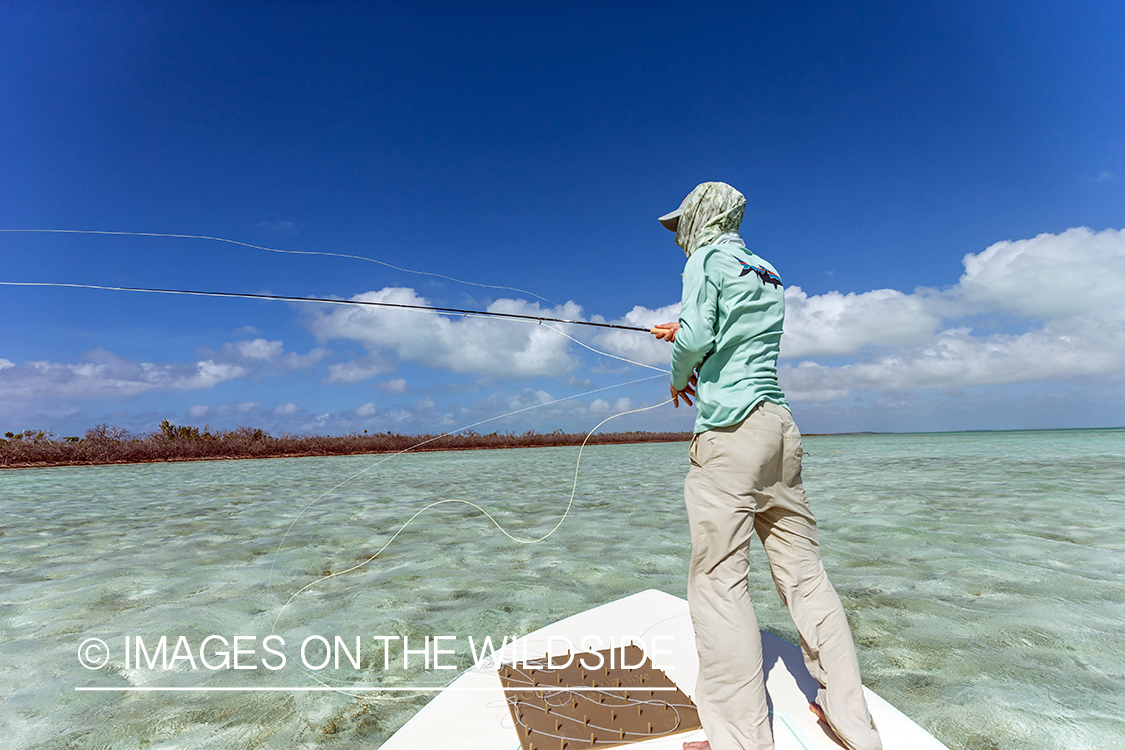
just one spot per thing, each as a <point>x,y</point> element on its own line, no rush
<point>731,317</point>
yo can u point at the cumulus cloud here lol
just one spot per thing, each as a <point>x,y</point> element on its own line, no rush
<point>256,349</point>
<point>1074,349</point>
<point>1052,275</point>
<point>395,385</point>
<point>834,323</point>
<point>484,346</point>
<point>105,375</point>
<point>358,370</point>
<point>1070,287</point>
<point>265,357</point>
<point>601,406</point>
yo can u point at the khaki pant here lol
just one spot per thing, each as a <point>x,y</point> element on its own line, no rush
<point>743,479</point>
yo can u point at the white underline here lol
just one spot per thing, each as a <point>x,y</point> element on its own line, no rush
<point>367,689</point>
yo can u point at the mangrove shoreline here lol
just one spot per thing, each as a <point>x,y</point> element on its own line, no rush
<point>105,445</point>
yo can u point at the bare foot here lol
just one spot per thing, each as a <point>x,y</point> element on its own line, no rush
<point>705,745</point>
<point>819,713</point>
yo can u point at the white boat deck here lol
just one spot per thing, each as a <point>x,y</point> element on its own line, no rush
<point>472,713</point>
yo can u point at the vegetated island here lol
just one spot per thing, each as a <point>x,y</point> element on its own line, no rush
<point>114,445</point>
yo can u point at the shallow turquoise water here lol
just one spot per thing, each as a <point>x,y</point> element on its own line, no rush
<point>982,572</point>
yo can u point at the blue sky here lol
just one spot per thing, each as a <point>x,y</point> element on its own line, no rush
<point>941,186</point>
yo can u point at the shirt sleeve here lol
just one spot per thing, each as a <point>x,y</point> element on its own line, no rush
<point>698,313</point>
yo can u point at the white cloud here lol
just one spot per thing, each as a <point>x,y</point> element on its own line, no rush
<point>207,374</point>
<point>198,411</point>
<point>286,409</point>
<point>265,356</point>
<point>835,323</point>
<point>1073,349</point>
<point>396,385</point>
<point>367,410</point>
<point>1051,275</point>
<point>357,370</point>
<point>484,346</point>
<point>306,361</point>
<point>256,349</point>
<point>105,375</point>
<point>603,407</point>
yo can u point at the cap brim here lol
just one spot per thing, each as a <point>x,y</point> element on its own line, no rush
<point>671,221</point>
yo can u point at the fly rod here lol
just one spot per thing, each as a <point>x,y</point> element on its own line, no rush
<point>322,300</point>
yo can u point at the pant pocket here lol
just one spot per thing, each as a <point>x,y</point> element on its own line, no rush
<point>702,448</point>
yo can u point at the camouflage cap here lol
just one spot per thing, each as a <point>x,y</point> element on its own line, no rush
<point>710,210</point>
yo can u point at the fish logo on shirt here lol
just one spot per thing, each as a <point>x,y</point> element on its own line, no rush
<point>767,276</point>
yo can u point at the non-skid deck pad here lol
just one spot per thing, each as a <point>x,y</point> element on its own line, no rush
<point>594,700</point>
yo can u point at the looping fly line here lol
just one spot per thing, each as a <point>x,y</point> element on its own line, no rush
<point>273,250</point>
<point>497,524</point>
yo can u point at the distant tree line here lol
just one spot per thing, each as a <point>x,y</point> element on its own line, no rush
<point>104,444</point>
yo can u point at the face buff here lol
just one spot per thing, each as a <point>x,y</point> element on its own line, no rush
<point>710,211</point>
